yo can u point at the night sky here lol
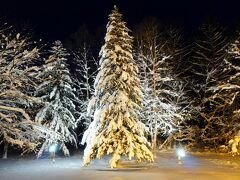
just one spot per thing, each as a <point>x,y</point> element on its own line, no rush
<point>52,19</point>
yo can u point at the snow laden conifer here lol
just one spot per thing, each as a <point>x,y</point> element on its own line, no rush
<point>115,129</point>
<point>207,71</point>
<point>230,87</point>
<point>227,96</point>
<point>56,91</point>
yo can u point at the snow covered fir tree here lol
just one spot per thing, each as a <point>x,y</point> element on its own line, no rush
<point>232,82</point>
<point>56,91</point>
<point>227,96</point>
<point>207,70</point>
<point>116,129</point>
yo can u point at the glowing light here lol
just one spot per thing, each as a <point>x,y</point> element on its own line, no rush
<point>52,148</point>
<point>181,153</point>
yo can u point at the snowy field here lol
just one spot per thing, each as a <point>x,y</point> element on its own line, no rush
<point>195,166</point>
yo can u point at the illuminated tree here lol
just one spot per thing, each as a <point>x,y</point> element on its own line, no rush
<point>17,84</point>
<point>162,111</point>
<point>117,99</point>
<point>84,75</point>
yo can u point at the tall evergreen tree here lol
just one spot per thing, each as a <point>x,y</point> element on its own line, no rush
<point>56,90</point>
<point>232,82</point>
<point>115,129</point>
<point>226,94</point>
<point>207,70</point>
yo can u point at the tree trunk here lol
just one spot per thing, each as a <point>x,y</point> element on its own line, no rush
<point>154,140</point>
<point>44,146</point>
<point>5,151</point>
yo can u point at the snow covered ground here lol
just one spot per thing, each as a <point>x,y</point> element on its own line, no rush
<point>196,166</point>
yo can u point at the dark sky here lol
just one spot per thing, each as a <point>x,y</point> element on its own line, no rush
<point>57,19</point>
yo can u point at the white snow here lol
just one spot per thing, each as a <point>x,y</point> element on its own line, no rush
<point>200,166</point>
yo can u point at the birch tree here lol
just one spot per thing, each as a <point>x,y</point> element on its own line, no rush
<point>162,91</point>
<point>86,69</point>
